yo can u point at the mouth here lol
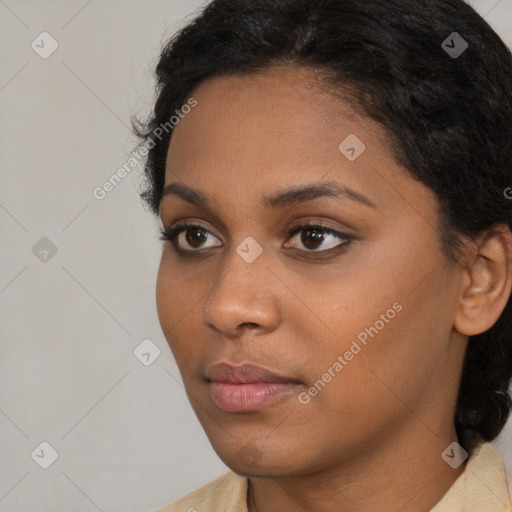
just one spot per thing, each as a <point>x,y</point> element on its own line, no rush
<point>247,387</point>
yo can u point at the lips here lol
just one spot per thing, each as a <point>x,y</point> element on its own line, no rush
<point>244,374</point>
<point>247,387</point>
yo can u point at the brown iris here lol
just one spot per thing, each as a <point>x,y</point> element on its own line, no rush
<point>312,235</point>
<point>196,235</point>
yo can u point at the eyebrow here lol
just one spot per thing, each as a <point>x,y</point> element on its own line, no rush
<point>281,199</point>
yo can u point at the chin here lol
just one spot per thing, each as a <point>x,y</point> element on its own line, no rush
<point>248,460</point>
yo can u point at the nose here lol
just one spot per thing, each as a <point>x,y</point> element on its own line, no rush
<point>244,297</point>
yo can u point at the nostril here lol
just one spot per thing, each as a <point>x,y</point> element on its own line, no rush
<point>249,324</point>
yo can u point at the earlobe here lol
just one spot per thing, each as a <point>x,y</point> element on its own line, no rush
<point>486,283</point>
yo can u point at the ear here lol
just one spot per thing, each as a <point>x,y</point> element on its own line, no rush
<point>486,282</point>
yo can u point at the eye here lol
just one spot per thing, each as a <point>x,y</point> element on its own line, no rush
<point>187,234</point>
<point>312,236</point>
<point>318,238</point>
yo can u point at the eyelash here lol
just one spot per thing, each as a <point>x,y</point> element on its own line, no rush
<point>170,235</point>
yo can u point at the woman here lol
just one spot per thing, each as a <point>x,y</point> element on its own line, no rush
<point>333,181</point>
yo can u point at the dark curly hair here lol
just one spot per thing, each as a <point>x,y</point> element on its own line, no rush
<point>448,117</point>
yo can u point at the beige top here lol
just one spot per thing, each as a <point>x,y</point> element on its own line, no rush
<point>482,487</point>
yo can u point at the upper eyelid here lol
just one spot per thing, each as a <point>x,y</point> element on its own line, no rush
<point>178,225</point>
<point>353,226</point>
<point>188,225</point>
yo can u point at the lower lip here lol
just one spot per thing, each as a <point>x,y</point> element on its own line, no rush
<point>249,397</point>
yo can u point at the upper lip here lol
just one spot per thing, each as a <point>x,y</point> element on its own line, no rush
<point>243,374</point>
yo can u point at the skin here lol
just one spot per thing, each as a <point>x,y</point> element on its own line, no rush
<point>372,438</point>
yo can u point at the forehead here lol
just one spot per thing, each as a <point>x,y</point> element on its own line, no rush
<point>278,114</point>
<point>250,135</point>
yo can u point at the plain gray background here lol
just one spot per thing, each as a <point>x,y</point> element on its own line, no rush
<point>125,434</point>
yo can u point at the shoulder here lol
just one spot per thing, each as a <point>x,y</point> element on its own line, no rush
<point>226,493</point>
<point>482,487</point>
<point>487,487</point>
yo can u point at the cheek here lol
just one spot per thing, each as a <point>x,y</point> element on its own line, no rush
<point>358,391</point>
<point>173,303</point>
<point>179,301</point>
<point>176,295</point>
<point>389,351</point>
<point>389,325</point>
<point>165,295</point>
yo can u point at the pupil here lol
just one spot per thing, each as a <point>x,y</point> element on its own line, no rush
<point>198,237</point>
<point>316,236</point>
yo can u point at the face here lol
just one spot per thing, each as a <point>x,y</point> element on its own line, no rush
<point>315,259</point>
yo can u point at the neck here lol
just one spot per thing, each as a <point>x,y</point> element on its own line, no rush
<point>405,473</point>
